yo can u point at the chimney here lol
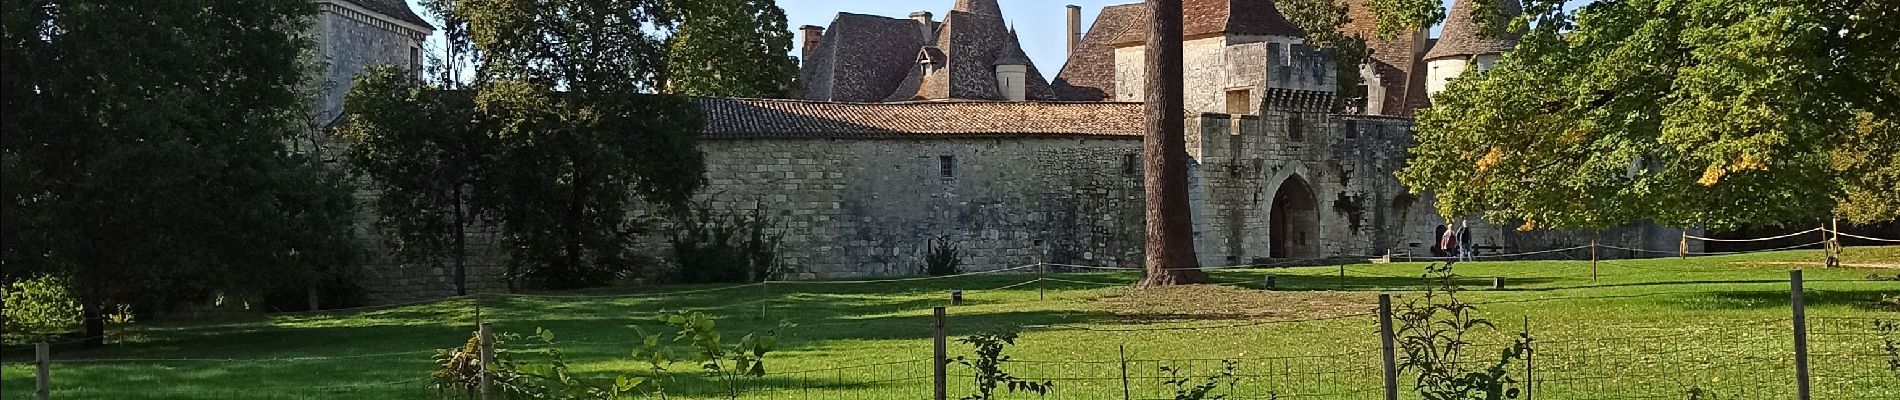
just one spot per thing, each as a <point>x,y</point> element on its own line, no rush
<point>923,25</point>
<point>813,34</point>
<point>1075,28</point>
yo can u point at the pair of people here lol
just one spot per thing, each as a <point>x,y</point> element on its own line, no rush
<point>1456,242</point>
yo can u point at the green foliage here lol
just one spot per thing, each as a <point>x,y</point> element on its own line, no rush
<point>573,134</point>
<point>425,152</point>
<point>1432,334</point>
<point>150,163</point>
<point>1718,113</point>
<point>731,48</point>
<point>941,258</point>
<point>1207,385</point>
<point>459,371</point>
<point>986,369</point>
<point>729,364</point>
<point>39,306</point>
<point>1402,17</point>
<point>714,246</point>
<point>1322,21</point>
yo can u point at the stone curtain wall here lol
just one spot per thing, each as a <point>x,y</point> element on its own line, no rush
<point>870,207</point>
<point>348,43</point>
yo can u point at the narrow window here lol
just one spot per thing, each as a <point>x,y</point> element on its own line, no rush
<point>947,166</point>
<point>415,61</point>
<point>1131,164</point>
<point>1294,127</point>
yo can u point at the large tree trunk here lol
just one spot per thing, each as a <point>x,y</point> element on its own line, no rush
<point>1170,246</point>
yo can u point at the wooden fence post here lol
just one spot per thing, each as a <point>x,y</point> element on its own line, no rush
<point>1800,335</point>
<point>1682,250</point>
<point>940,360</point>
<point>488,358</point>
<point>42,371</point>
<point>1593,260</point>
<point>1385,342</point>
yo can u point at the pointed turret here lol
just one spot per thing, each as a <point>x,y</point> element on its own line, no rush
<point>1461,36</point>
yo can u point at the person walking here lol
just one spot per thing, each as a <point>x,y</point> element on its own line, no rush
<point>1464,240</point>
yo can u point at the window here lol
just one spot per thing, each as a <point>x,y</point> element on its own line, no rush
<point>1352,129</point>
<point>947,166</point>
<point>415,61</point>
<point>1131,164</point>
<point>1295,127</point>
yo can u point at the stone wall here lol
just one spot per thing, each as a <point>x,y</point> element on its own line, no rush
<point>870,207</point>
<point>348,42</point>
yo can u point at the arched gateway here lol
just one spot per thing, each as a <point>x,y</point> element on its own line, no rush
<point>1294,231</point>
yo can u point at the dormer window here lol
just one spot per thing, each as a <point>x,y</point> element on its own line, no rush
<point>930,59</point>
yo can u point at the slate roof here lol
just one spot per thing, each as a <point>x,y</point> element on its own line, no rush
<point>862,58</point>
<point>397,9</point>
<point>1460,36</point>
<point>1200,18</point>
<point>858,59</point>
<point>731,118</point>
<point>1089,74</point>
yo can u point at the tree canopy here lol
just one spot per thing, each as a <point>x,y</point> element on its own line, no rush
<point>575,135</point>
<point>149,161</point>
<point>730,48</point>
<point>1719,113</point>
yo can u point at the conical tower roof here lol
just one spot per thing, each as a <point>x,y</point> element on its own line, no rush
<point>1461,38</point>
<point>979,7</point>
<point>1012,52</point>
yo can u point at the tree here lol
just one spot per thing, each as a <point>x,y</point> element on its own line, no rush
<point>1718,113</point>
<point>148,162</point>
<point>730,48</point>
<point>575,138</point>
<point>425,152</point>
<point>1170,244</point>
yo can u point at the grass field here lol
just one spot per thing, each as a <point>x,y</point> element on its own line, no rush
<point>1654,328</point>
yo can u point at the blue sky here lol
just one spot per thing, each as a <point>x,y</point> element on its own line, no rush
<point>1039,23</point>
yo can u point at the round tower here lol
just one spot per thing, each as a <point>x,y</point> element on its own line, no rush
<point>1460,46</point>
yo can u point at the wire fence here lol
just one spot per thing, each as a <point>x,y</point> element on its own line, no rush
<point>1849,356</point>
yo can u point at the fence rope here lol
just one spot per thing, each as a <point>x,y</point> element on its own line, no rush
<point>1864,237</point>
<point>912,279</point>
<point>236,360</point>
<point>1759,239</point>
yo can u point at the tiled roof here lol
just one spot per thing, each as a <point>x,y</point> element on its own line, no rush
<point>397,9</point>
<point>1395,60</point>
<point>1211,17</point>
<point>1461,37</point>
<point>862,58</point>
<point>1089,74</point>
<point>758,118</point>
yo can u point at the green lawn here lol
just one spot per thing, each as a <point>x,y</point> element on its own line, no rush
<point>1644,329</point>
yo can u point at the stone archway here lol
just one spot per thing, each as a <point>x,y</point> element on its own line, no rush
<point>1294,222</point>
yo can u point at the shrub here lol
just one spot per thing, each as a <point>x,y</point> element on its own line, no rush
<point>459,371</point>
<point>941,258</point>
<point>1433,336</point>
<point>39,307</point>
<point>987,368</point>
<point>729,247</point>
<point>1201,391</point>
<point>726,364</point>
